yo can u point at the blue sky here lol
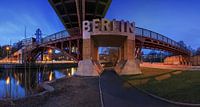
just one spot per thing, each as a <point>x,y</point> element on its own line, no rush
<point>16,14</point>
<point>177,19</point>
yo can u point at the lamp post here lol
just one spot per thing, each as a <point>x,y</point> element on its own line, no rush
<point>7,50</point>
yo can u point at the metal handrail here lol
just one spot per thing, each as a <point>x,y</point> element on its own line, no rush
<point>55,36</point>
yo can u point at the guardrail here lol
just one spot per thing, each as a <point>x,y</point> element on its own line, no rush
<point>157,36</point>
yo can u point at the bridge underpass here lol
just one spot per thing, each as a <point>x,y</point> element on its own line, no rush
<point>108,56</point>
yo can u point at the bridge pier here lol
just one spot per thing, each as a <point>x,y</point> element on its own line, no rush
<point>102,35</point>
<point>89,66</point>
<point>127,64</point>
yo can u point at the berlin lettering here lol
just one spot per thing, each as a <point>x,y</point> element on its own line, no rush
<point>104,25</point>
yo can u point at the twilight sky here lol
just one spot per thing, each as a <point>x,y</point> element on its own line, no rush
<point>176,19</point>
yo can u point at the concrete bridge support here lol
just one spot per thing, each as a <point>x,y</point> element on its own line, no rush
<point>89,66</point>
<point>127,64</point>
<point>103,33</point>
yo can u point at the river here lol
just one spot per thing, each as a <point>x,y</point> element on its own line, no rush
<point>19,83</point>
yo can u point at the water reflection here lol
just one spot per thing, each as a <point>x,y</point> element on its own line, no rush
<point>16,83</point>
<point>50,76</point>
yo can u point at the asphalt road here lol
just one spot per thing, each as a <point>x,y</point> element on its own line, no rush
<point>118,93</point>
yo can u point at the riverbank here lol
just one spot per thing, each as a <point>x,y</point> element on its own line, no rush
<point>74,91</point>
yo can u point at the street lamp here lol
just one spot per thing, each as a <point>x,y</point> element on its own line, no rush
<point>7,50</point>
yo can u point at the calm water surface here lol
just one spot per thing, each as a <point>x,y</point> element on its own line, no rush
<point>19,83</point>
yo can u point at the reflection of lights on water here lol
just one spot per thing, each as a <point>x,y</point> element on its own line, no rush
<point>39,77</point>
<point>8,80</point>
<point>69,74</point>
<point>50,76</point>
<point>17,82</point>
<point>72,71</point>
<point>47,58</point>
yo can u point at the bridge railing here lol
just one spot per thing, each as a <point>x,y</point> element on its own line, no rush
<point>55,36</point>
<point>157,36</point>
<point>28,41</point>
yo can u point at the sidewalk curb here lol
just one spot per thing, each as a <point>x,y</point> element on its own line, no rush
<point>100,93</point>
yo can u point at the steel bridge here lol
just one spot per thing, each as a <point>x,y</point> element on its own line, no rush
<point>71,46</point>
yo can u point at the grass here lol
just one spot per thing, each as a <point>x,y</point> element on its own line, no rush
<point>147,73</point>
<point>184,87</point>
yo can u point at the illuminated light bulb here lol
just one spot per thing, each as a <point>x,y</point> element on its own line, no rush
<point>50,51</point>
<point>7,48</point>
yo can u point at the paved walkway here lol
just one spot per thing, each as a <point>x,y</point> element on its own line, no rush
<point>117,93</point>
